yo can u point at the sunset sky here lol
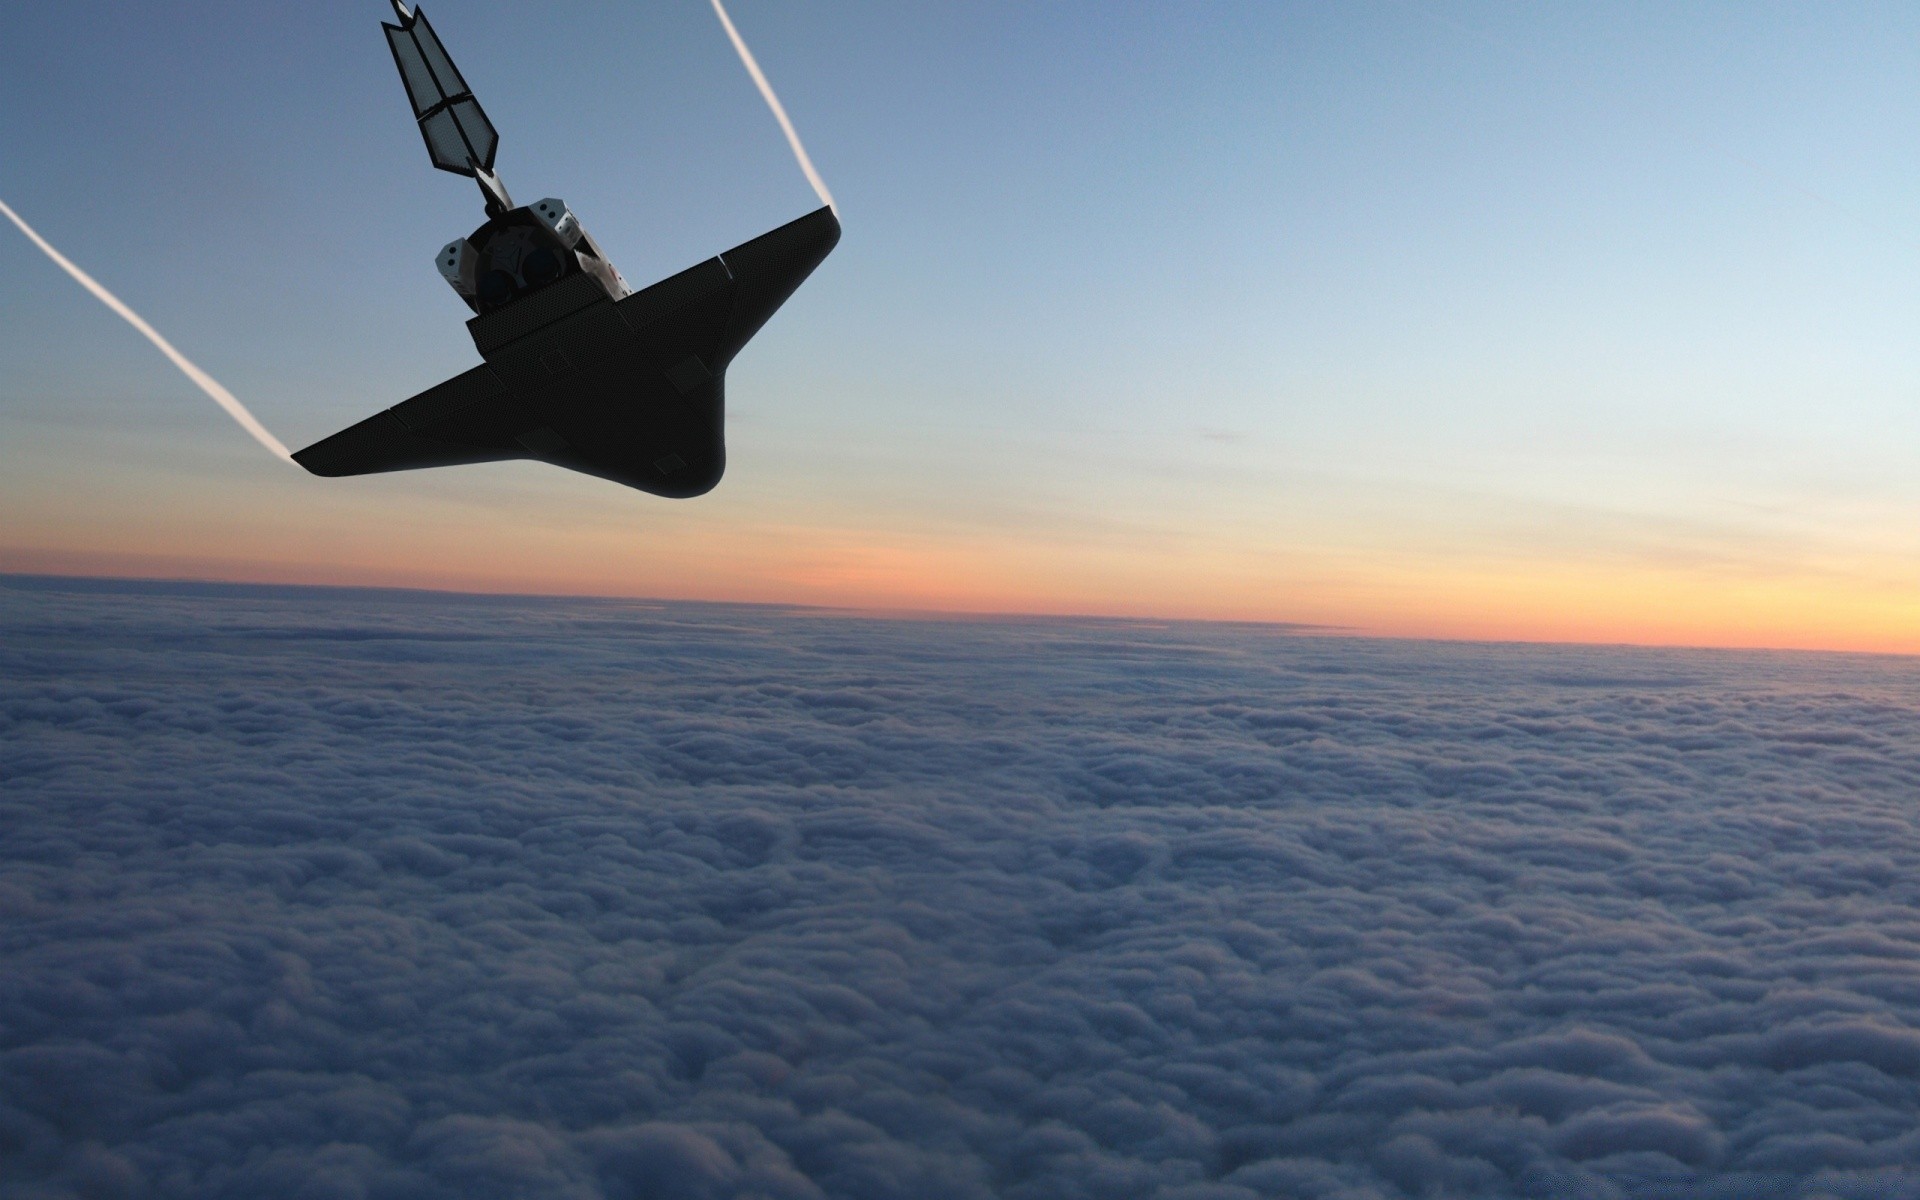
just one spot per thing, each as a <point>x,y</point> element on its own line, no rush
<point>1588,323</point>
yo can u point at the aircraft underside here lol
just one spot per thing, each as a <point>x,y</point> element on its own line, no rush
<point>631,390</point>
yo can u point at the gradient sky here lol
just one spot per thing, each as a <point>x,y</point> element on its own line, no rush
<point>1500,321</point>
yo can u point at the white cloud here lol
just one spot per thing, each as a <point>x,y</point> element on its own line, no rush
<point>377,895</point>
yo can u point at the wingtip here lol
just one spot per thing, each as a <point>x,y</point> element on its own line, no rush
<point>307,461</point>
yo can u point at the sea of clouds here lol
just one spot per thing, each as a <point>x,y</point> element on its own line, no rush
<point>331,895</point>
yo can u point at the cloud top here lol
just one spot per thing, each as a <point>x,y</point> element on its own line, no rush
<point>331,894</point>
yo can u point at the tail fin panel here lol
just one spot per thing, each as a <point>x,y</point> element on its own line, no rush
<point>458,134</point>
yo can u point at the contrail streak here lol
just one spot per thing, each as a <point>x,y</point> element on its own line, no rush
<point>773,102</point>
<point>206,382</point>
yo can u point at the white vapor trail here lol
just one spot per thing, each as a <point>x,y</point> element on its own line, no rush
<point>773,102</point>
<point>206,382</point>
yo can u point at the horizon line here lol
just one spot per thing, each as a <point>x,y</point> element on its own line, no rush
<point>930,615</point>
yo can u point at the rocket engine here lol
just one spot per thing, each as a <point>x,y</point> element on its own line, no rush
<point>522,250</point>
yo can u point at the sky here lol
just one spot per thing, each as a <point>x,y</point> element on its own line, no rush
<point>1490,321</point>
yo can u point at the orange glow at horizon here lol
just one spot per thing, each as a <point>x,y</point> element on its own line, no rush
<point>1479,599</point>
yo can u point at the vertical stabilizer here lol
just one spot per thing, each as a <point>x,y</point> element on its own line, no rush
<point>458,135</point>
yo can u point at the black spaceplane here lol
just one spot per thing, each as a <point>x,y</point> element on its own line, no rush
<point>580,370</point>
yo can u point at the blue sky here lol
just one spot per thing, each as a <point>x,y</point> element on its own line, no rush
<point>1414,317</point>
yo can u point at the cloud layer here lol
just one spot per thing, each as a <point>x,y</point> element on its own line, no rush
<point>341,895</point>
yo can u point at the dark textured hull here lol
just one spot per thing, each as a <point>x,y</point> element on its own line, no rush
<point>630,390</point>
